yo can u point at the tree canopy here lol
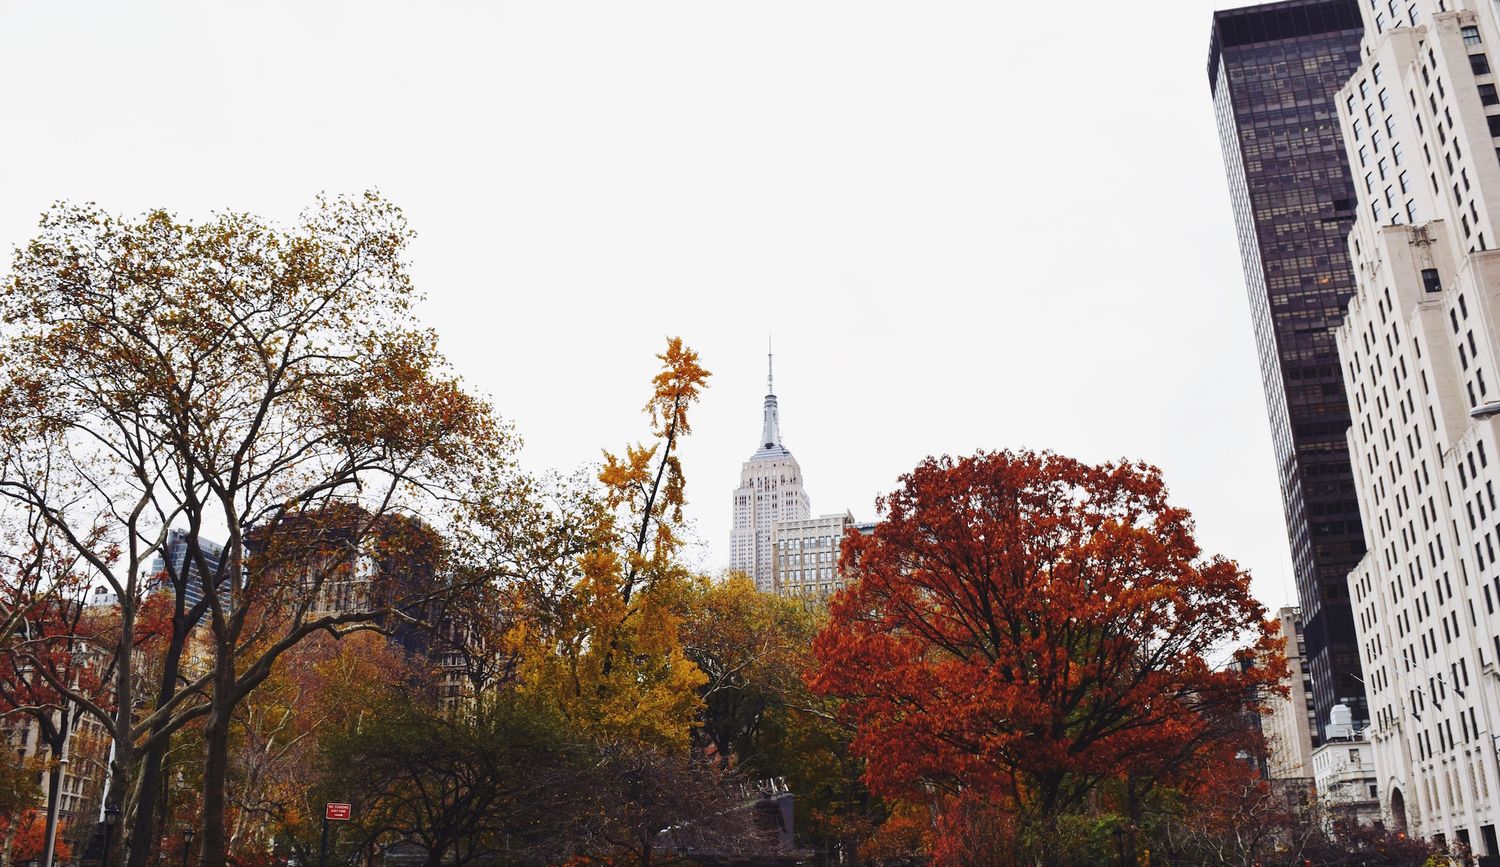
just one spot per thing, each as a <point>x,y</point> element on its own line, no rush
<point>1023,626</point>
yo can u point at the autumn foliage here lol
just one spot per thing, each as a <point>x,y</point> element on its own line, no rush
<point>1022,627</point>
<point>28,836</point>
<point>328,579</point>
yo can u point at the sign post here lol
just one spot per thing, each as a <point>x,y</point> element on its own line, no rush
<point>332,813</point>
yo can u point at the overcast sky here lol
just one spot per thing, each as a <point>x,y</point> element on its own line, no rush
<point>967,225</point>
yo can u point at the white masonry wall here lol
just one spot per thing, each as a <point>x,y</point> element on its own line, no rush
<point>1418,352</point>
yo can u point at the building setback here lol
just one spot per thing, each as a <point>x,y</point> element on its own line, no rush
<point>1420,117</point>
<point>1273,71</point>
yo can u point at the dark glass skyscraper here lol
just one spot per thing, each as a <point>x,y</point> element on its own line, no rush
<point>1274,70</point>
<point>175,555</point>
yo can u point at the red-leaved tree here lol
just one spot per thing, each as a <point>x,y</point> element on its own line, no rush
<point>1022,627</point>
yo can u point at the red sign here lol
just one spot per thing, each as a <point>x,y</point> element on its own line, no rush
<point>338,812</point>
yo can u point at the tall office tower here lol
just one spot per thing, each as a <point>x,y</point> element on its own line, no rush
<point>1274,70</point>
<point>1290,721</point>
<point>1420,119</point>
<point>173,561</point>
<point>770,491</point>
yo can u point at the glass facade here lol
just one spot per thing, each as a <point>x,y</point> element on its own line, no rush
<point>1274,70</point>
<point>175,553</point>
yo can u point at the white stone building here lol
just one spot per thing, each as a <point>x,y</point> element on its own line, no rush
<point>1418,348</point>
<point>806,554</point>
<point>770,491</point>
<point>1343,770</point>
<point>1344,775</point>
<point>1290,723</point>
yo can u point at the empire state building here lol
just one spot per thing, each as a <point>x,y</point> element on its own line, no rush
<point>770,491</point>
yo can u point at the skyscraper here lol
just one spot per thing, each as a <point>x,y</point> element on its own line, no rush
<point>1421,119</point>
<point>1288,724</point>
<point>173,563</point>
<point>1273,70</point>
<point>770,491</point>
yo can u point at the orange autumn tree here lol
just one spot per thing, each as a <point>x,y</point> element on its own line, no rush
<point>1022,627</point>
<point>606,650</point>
<point>28,839</point>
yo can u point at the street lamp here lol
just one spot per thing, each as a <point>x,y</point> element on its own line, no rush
<point>111,816</point>
<point>187,844</point>
<point>1484,411</point>
<point>54,803</point>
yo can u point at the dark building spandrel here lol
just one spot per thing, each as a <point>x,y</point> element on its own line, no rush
<point>1274,70</point>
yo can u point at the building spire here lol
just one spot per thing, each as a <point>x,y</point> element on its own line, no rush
<point>769,389</point>
<point>770,432</point>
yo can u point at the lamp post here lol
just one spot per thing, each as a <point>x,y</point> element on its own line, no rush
<point>111,816</point>
<point>187,844</point>
<point>54,803</point>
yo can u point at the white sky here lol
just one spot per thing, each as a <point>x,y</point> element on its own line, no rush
<point>968,225</point>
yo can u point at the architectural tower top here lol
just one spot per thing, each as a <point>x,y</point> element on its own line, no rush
<point>770,432</point>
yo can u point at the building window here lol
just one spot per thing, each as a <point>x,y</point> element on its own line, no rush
<point>1430,280</point>
<point>1480,64</point>
<point>1471,34</point>
<point>1487,94</point>
<point>1494,122</point>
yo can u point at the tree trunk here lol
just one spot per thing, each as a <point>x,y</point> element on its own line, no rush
<point>216,767</point>
<point>117,794</point>
<point>143,831</point>
<point>1133,815</point>
<point>122,758</point>
<point>1050,854</point>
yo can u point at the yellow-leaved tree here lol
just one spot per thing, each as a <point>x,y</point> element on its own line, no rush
<point>607,649</point>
